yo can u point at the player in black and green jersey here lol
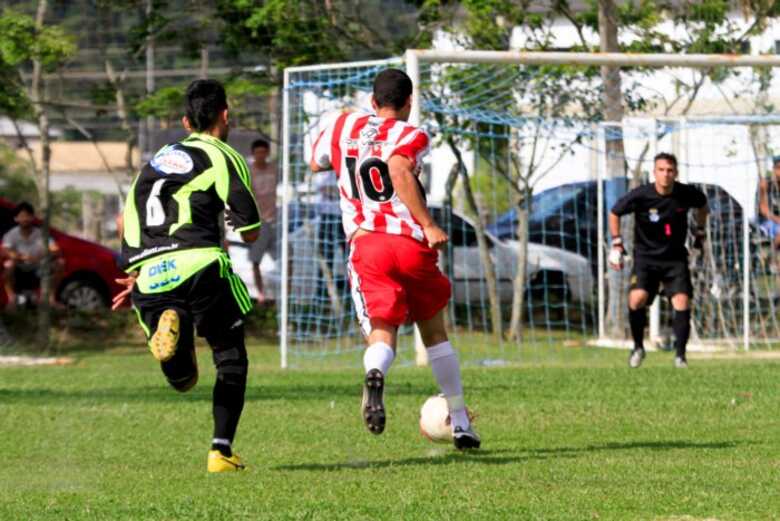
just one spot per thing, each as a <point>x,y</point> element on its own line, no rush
<point>180,277</point>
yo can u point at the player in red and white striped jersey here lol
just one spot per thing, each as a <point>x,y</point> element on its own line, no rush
<point>393,242</point>
<point>368,200</point>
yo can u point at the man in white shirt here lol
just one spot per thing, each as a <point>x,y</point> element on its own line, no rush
<point>23,253</point>
<point>264,182</point>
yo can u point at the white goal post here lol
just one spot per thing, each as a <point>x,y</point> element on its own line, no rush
<point>327,85</point>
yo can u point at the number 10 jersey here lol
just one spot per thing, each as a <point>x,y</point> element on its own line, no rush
<point>358,147</point>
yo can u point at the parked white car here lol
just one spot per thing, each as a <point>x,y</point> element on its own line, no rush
<point>551,270</point>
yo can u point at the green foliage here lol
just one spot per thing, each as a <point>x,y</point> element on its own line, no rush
<point>16,180</point>
<point>285,33</point>
<point>14,102</point>
<point>21,42</point>
<point>166,103</point>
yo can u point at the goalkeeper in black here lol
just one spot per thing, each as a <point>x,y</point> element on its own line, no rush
<point>660,230</point>
<point>180,278</point>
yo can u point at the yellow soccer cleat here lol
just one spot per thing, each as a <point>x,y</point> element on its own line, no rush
<point>221,463</point>
<point>164,340</point>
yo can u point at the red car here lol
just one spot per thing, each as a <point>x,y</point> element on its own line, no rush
<point>88,280</point>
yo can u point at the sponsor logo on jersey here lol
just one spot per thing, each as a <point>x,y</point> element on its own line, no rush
<point>172,161</point>
<point>653,214</point>
<point>162,283</point>
<point>162,267</point>
<point>165,272</point>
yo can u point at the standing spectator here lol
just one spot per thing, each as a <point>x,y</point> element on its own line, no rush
<point>23,252</point>
<point>264,182</point>
<point>769,203</point>
<point>330,236</point>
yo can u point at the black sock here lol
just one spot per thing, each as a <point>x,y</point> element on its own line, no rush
<point>637,318</point>
<point>681,325</point>
<point>228,403</point>
<point>222,448</point>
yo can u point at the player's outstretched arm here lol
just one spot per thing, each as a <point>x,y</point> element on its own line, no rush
<point>406,186</point>
<point>250,235</point>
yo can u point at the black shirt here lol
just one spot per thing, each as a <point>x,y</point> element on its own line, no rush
<point>661,221</point>
<point>176,201</point>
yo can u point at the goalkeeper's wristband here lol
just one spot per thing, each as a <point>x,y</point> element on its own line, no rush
<point>617,242</point>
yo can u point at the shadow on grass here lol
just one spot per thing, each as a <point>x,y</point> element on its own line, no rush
<point>650,445</point>
<point>508,457</point>
<point>487,457</point>
<point>293,391</point>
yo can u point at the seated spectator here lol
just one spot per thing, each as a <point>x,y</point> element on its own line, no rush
<point>23,253</point>
<point>769,203</point>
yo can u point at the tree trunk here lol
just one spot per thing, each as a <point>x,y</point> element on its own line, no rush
<point>613,112</point>
<point>484,249</point>
<point>518,296</point>
<point>122,112</point>
<point>204,62</point>
<point>42,184</point>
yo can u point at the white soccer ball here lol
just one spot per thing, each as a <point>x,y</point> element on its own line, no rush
<point>435,420</point>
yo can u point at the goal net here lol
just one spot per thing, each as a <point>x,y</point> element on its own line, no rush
<point>522,174</point>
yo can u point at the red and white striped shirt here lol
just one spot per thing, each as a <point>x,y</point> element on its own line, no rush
<point>358,147</point>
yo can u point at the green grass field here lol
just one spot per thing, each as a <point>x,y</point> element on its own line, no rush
<point>105,438</point>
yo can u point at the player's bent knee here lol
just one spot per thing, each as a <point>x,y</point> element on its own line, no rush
<point>638,299</point>
<point>681,302</point>
<point>232,365</point>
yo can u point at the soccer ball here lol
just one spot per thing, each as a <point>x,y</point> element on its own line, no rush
<point>435,420</point>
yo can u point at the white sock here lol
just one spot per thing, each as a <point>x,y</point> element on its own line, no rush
<point>446,370</point>
<point>379,355</point>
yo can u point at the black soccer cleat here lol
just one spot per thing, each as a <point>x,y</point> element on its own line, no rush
<point>465,438</point>
<point>373,408</point>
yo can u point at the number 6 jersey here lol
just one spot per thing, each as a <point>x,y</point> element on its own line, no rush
<point>175,202</point>
<point>358,147</point>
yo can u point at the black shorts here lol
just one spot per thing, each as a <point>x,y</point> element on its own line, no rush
<point>212,302</point>
<point>674,275</point>
<point>26,280</point>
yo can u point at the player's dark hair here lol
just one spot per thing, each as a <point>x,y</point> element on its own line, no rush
<point>24,206</point>
<point>392,87</point>
<point>260,143</point>
<point>666,156</point>
<point>204,101</point>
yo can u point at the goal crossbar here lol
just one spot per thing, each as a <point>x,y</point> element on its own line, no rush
<point>614,59</point>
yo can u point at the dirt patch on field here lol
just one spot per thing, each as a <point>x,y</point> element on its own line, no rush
<point>16,361</point>
<point>739,355</point>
